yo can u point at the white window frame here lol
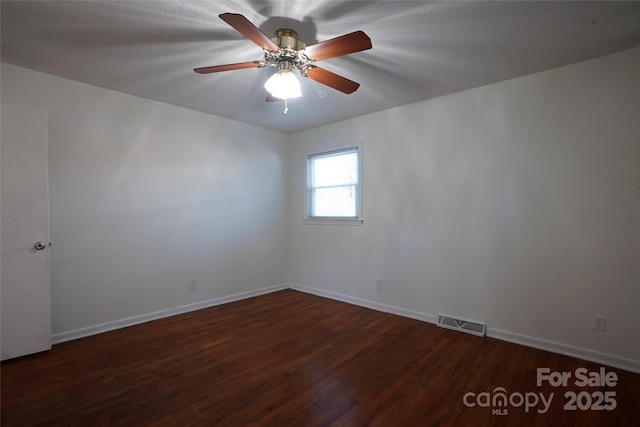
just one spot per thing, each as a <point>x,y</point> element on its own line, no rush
<point>330,220</point>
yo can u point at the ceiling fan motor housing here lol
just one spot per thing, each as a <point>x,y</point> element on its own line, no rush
<point>288,39</point>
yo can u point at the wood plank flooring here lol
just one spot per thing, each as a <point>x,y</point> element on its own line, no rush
<point>294,359</point>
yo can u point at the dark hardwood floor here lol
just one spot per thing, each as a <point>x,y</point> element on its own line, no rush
<point>290,358</point>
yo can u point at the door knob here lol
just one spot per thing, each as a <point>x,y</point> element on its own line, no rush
<point>41,245</point>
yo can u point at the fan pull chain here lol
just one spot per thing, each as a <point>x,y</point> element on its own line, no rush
<point>286,107</point>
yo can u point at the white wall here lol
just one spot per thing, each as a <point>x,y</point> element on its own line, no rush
<point>145,196</point>
<point>517,204</point>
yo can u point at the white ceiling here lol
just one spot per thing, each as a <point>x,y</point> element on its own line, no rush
<point>420,49</point>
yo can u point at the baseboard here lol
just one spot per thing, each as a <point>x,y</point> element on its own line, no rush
<point>387,308</point>
<point>567,350</point>
<point>541,344</point>
<point>143,318</point>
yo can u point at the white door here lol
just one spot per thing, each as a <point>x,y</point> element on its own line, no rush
<point>24,220</point>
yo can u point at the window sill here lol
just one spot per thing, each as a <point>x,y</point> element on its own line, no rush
<point>332,221</point>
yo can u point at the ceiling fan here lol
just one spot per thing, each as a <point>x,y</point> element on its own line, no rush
<point>285,51</point>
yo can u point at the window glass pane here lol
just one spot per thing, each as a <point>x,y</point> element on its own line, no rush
<point>335,201</point>
<point>340,169</point>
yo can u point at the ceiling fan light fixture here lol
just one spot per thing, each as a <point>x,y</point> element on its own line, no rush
<point>283,84</point>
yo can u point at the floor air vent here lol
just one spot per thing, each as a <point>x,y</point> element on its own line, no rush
<point>468,326</point>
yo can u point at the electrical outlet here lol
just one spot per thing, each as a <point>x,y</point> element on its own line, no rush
<point>378,284</point>
<point>599,323</point>
<point>192,284</point>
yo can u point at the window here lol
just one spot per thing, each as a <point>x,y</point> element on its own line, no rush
<point>333,186</point>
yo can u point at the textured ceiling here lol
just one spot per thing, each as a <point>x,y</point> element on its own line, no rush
<point>420,49</point>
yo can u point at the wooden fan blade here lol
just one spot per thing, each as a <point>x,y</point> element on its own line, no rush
<point>342,45</point>
<point>227,67</point>
<point>250,31</point>
<point>333,80</point>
